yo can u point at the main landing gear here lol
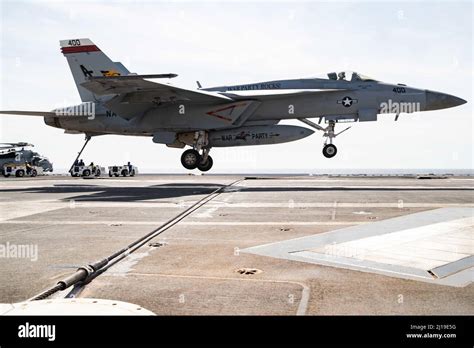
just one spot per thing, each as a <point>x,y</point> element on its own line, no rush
<point>329,150</point>
<point>192,159</point>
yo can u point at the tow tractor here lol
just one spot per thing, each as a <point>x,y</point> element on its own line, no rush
<point>124,170</point>
<point>21,170</point>
<point>87,171</point>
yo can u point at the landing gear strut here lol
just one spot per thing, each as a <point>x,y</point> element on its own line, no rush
<point>192,159</point>
<point>329,150</point>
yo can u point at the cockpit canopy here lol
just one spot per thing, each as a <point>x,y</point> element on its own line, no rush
<point>350,76</point>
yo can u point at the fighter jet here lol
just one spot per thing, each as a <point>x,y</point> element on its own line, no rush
<point>115,101</point>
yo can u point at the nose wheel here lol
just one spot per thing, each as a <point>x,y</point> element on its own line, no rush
<point>329,150</point>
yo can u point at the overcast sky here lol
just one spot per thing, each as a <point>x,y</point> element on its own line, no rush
<point>424,44</point>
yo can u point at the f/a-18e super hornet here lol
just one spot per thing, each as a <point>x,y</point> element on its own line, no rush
<point>115,101</point>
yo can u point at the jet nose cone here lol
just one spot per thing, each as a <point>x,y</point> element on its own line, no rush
<point>437,100</point>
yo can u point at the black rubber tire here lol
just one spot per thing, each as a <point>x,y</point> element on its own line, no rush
<point>20,173</point>
<point>97,173</point>
<point>124,172</point>
<point>34,173</point>
<point>190,159</point>
<point>86,172</point>
<point>6,175</point>
<point>116,175</point>
<point>204,167</point>
<point>329,150</point>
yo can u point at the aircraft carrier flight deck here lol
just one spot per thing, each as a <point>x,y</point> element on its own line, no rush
<point>258,245</point>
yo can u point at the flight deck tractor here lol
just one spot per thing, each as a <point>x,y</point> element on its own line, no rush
<point>89,171</point>
<point>21,170</point>
<point>125,170</point>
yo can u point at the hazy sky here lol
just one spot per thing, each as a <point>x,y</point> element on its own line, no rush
<point>425,44</point>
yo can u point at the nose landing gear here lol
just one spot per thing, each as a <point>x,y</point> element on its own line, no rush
<point>329,150</point>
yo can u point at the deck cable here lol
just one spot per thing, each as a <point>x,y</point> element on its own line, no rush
<point>85,274</point>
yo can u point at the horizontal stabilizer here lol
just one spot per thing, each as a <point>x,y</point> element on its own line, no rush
<point>65,112</point>
<point>29,113</point>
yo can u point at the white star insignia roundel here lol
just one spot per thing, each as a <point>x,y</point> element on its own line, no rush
<point>347,101</point>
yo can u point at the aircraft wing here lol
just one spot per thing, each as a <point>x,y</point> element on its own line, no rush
<point>136,89</point>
